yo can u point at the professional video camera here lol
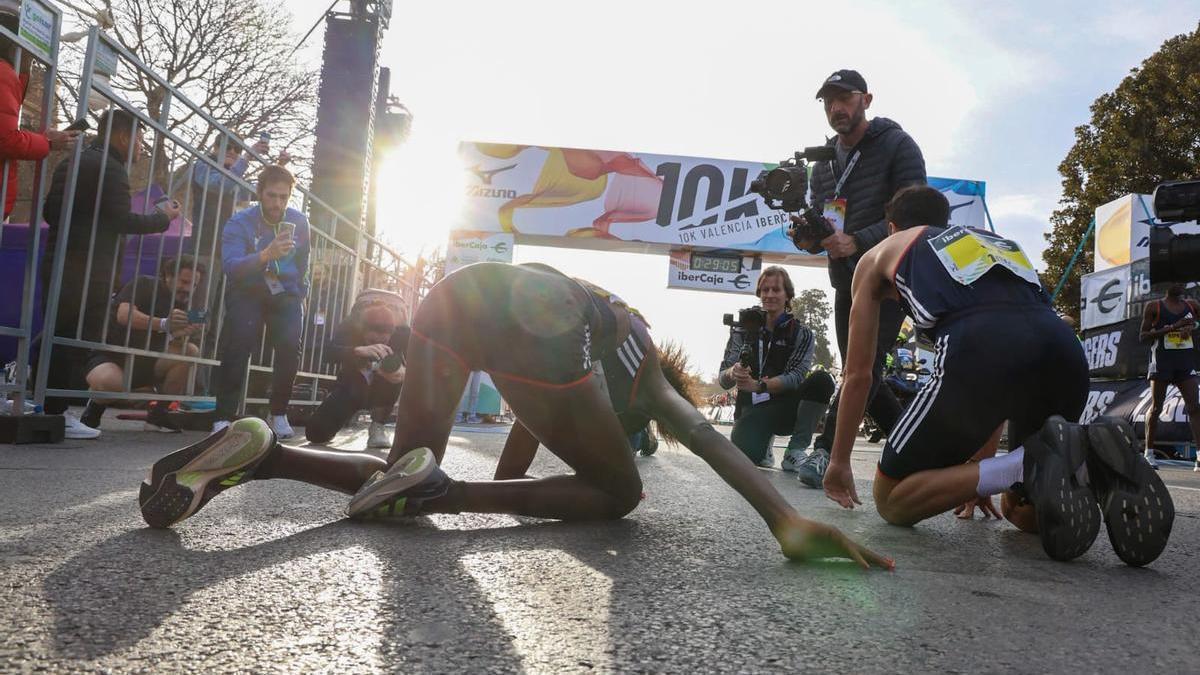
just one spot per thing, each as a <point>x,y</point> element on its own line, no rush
<point>1175,257</point>
<point>785,188</point>
<point>750,321</point>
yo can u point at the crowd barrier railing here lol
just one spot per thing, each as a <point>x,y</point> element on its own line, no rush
<point>85,275</point>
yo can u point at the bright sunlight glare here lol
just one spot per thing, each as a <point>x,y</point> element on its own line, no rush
<point>420,192</point>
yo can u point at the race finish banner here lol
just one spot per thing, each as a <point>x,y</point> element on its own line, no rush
<point>721,271</point>
<point>1130,400</point>
<point>641,202</point>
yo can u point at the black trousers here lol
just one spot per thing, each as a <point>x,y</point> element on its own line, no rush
<point>882,405</point>
<point>350,394</point>
<point>794,414</point>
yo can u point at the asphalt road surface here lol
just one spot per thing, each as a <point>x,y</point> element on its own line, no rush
<point>270,578</point>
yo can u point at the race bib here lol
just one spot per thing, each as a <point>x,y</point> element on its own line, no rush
<point>1177,339</point>
<point>969,254</point>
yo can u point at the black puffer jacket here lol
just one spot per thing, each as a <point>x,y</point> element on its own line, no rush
<point>890,160</point>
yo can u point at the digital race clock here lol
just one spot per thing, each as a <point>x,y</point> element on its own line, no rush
<point>711,262</point>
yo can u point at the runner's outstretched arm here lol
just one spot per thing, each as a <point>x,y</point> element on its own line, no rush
<point>799,538</point>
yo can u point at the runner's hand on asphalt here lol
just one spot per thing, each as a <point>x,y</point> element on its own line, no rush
<point>839,485</point>
<point>966,510</point>
<point>802,539</point>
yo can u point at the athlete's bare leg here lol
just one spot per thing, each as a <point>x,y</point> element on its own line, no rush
<point>1158,394</point>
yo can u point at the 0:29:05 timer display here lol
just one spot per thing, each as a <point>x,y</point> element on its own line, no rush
<point>702,262</point>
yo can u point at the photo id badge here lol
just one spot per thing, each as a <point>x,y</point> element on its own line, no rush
<point>756,398</point>
<point>273,283</point>
<point>835,212</point>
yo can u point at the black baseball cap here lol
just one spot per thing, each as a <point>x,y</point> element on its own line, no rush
<point>846,80</point>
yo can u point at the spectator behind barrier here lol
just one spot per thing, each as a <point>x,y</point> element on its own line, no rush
<point>874,159</point>
<point>100,214</point>
<point>16,144</point>
<point>369,346</point>
<point>264,253</point>
<point>155,312</point>
<point>776,394</point>
<point>215,195</point>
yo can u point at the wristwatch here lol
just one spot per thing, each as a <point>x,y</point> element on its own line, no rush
<point>762,386</point>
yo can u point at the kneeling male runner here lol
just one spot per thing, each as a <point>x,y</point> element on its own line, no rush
<point>1001,354</point>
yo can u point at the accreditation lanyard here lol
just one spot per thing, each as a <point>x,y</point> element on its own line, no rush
<point>837,189</point>
<point>765,349</point>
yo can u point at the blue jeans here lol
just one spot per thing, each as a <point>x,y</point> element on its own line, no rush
<point>246,312</point>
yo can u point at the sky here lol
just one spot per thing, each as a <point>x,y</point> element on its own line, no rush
<point>990,92</point>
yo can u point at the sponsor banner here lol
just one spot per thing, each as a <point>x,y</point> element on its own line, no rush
<point>466,247</point>
<point>1123,230</point>
<point>1114,351</point>
<point>639,201</point>
<point>706,271</point>
<point>1130,400</point>
<point>1103,296</point>
<point>37,26</point>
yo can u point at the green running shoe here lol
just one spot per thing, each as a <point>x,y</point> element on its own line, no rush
<point>181,483</point>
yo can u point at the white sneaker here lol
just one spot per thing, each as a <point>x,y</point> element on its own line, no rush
<point>283,430</point>
<point>76,430</point>
<point>378,437</point>
<point>793,458</point>
<point>219,425</point>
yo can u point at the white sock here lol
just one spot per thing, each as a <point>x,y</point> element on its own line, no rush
<point>997,474</point>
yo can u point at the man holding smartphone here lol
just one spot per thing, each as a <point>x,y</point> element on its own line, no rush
<point>156,314</point>
<point>264,253</point>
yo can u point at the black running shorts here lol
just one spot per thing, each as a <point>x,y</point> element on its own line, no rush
<point>990,365</point>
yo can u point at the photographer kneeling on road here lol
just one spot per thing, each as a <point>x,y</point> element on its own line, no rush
<point>768,358</point>
<point>155,312</point>
<point>370,346</point>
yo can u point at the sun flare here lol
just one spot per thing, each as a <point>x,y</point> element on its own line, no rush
<point>420,192</point>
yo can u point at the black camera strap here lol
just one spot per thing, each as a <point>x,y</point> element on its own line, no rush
<point>837,189</point>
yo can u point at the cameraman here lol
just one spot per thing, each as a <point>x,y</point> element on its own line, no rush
<point>369,345</point>
<point>874,159</point>
<point>774,396</point>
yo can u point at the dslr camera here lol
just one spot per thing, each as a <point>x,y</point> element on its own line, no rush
<point>750,321</point>
<point>1175,257</point>
<point>785,188</point>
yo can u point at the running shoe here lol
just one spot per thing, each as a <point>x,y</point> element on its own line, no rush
<point>793,458</point>
<point>158,419</point>
<point>1138,511</point>
<point>1067,516</point>
<point>181,483</point>
<point>413,480</point>
<point>811,470</point>
<point>378,437</point>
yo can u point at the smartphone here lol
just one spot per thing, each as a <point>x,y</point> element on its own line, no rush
<point>285,226</point>
<point>162,202</point>
<point>80,124</point>
<point>197,316</point>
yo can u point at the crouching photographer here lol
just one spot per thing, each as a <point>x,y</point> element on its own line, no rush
<point>370,346</point>
<point>767,358</point>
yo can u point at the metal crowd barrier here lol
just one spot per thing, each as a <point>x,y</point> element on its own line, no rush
<point>337,271</point>
<point>18,329</point>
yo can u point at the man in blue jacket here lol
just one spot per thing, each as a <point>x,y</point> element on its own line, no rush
<point>875,158</point>
<point>264,252</point>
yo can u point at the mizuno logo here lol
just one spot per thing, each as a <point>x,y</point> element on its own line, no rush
<point>485,176</point>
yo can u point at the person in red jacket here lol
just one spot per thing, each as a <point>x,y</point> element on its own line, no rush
<point>16,144</point>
